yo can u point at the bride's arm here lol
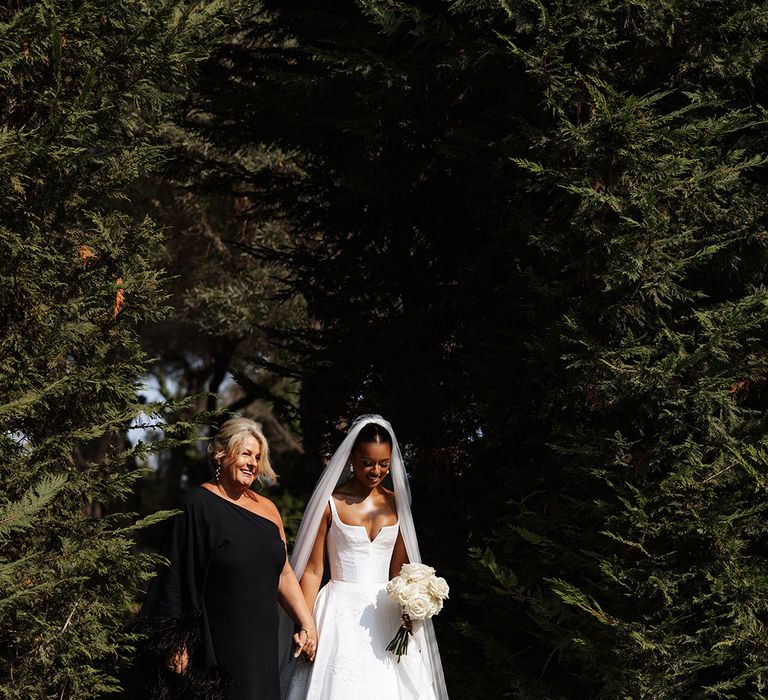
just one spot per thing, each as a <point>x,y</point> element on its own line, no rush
<point>313,572</point>
<point>399,556</point>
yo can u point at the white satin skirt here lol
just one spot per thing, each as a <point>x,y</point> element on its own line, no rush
<point>355,622</point>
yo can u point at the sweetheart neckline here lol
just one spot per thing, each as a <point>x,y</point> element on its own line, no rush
<point>362,527</point>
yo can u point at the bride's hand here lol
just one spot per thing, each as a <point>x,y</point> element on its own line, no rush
<point>306,643</point>
<point>405,621</point>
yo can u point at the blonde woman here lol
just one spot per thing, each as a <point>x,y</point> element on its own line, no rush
<point>212,614</point>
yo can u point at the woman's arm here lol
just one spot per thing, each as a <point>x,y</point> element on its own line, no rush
<point>291,599</point>
<point>399,556</point>
<point>175,595</point>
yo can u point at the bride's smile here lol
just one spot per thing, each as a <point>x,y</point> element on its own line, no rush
<point>370,463</point>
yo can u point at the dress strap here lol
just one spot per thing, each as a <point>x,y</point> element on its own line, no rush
<point>333,507</point>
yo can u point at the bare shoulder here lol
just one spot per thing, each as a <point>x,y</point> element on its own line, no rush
<point>389,496</point>
<point>341,498</point>
<point>267,504</point>
<point>342,490</point>
<point>268,509</point>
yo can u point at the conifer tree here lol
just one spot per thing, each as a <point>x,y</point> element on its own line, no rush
<point>634,543</point>
<point>85,87</point>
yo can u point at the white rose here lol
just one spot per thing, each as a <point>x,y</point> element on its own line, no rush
<point>396,588</point>
<point>410,591</point>
<point>418,606</point>
<point>438,587</point>
<point>435,607</point>
<point>417,572</point>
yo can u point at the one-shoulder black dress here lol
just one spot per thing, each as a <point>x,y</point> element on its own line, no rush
<point>218,597</point>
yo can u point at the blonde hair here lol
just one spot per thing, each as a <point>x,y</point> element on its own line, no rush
<point>230,438</point>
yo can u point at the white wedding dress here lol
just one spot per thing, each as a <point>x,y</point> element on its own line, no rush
<point>356,620</point>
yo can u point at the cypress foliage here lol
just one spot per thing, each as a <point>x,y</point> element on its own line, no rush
<point>85,86</point>
<point>638,555</point>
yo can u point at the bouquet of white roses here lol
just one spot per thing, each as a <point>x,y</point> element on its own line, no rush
<point>420,593</point>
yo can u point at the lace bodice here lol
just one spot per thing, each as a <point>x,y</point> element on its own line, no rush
<point>355,558</point>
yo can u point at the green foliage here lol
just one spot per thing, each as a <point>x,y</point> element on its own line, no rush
<point>640,541</point>
<point>85,88</point>
<point>20,514</point>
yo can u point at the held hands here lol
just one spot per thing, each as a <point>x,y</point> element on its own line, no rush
<point>306,643</point>
<point>178,661</point>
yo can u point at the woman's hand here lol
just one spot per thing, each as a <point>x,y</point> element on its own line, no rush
<point>178,661</point>
<point>306,643</point>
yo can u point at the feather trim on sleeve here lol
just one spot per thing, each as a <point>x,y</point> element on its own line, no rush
<point>162,637</point>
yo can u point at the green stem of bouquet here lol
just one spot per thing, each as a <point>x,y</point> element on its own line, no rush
<point>399,643</point>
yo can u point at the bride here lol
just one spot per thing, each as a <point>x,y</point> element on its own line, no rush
<point>365,532</point>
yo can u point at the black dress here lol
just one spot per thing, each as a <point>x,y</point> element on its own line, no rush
<point>218,598</point>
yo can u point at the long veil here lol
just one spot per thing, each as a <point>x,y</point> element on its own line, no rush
<point>333,475</point>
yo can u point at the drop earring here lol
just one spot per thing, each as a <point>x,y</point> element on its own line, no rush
<point>218,471</point>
